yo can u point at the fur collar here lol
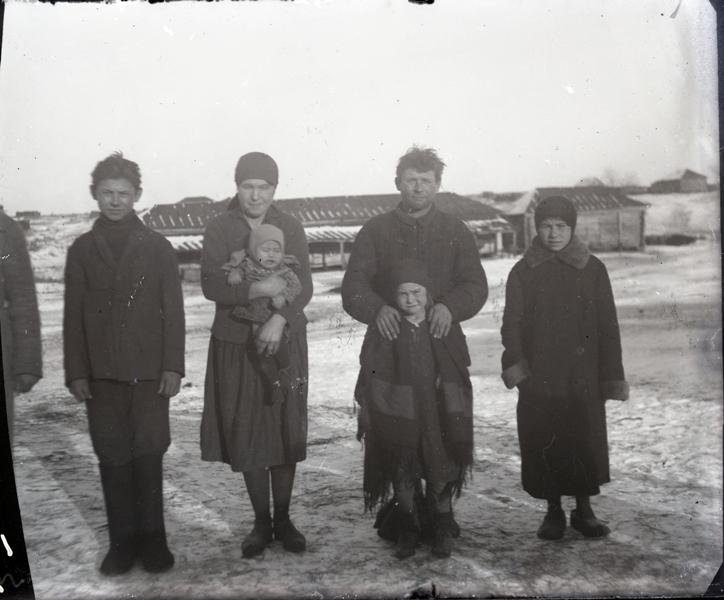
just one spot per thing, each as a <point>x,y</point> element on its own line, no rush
<point>575,254</point>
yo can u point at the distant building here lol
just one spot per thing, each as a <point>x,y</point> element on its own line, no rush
<point>331,223</point>
<point>27,214</point>
<point>607,218</point>
<point>683,181</point>
<point>590,182</point>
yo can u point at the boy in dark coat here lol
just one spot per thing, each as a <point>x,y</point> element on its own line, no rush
<point>563,352</point>
<point>123,335</point>
<point>415,402</point>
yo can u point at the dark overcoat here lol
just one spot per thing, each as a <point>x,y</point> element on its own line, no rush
<point>440,241</point>
<point>124,320</point>
<point>563,351</point>
<point>19,316</point>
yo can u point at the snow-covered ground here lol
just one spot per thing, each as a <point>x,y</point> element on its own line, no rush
<point>664,503</point>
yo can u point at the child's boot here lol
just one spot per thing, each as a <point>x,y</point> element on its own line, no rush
<point>153,547</point>
<point>583,519</point>
<point>117,485</point>
<point>408,537</point>
<point>554,523</point>
<point>292,539</point>
<point>258,538</point>
<point>444,531</point>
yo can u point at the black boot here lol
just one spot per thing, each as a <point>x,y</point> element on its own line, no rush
<point>148,480</point>
<point>408,537</point>
<point>445,527</point>
<point>258,539</point>
<point>292,539</point>
<point>117,485</point>
<point>588,525</point>
<point>554,523</point>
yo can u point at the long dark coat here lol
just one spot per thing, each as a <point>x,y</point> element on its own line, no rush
<point>19,316</point>
<point>563,351</point>
<point>124,320</point>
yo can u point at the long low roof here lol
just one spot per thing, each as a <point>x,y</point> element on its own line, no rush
<point>184,218</point>
<point>584,198</point>
<point>338,233</point>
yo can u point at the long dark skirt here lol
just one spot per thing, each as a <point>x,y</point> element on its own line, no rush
<point>238,427</point>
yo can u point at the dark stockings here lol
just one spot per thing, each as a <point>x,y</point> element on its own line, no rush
<point>282,482</point>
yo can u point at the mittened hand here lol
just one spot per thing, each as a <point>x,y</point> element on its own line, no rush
<point>170,384</point>
<point>234,277</point>
<point>278,302</point>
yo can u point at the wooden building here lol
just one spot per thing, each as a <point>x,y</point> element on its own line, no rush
<point>607,218</point>
<point>330,223</point>
<point>27,214</point>
<point>683,181</point>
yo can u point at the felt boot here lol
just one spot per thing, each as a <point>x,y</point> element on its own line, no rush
<point>589,526</point>
<point>291,538</point>
<point>408,537</point>
<point>148,480</point>
<point>554,523</point>
<point>117,485</point>
<point>258,538</point>
<point>443,540</point>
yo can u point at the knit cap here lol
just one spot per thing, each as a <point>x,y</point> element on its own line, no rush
<point>409,270</point>
<point>264,233</point>
<point>556,207</point>
<point>256,165</point>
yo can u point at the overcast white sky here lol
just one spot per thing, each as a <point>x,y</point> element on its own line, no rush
<point>514,94</point>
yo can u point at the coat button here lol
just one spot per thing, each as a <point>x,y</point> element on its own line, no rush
<point>580,350</point>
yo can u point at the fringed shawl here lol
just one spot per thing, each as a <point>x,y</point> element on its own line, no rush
<point>389,421</point>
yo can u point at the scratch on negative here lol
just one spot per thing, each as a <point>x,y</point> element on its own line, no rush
<point>135,289</point>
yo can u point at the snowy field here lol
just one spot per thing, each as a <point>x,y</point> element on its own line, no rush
<point>664,504</point>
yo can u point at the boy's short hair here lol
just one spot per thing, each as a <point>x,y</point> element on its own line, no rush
<point>422,160</point>
<point>116,167</point>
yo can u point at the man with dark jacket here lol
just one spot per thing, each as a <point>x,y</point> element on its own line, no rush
<point>19,317</point>
<point>416,229</point>
<point>123,335</point>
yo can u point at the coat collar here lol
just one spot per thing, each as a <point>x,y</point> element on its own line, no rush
<point>575,254</point>
<point>138,234</point>
<point>424,220</point>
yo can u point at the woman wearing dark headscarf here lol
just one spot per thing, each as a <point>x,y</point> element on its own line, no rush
<point>240,427</point>
<point>563,352</point>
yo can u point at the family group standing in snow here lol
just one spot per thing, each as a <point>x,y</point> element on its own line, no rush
<point>414,275</point>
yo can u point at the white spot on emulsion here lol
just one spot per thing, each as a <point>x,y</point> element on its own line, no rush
<point>569,89</point>
<point>168,30</point>
<point>8,549</point>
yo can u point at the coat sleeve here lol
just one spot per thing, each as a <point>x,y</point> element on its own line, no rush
<point>296,244</point>
<point>214,255</point>
<point>358,298</point>
<point>75,344</point>
<point>172,305</point>
<point>22,304</point>
<point>294,286</point>
<point>610,369</point>
<point>515,366</point>
<point>470,291</point>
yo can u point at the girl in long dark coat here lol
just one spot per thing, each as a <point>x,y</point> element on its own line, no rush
<point>563,352</point>
<point>416,417</point>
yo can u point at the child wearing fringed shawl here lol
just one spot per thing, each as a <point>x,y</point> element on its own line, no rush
<point>415,417</point>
